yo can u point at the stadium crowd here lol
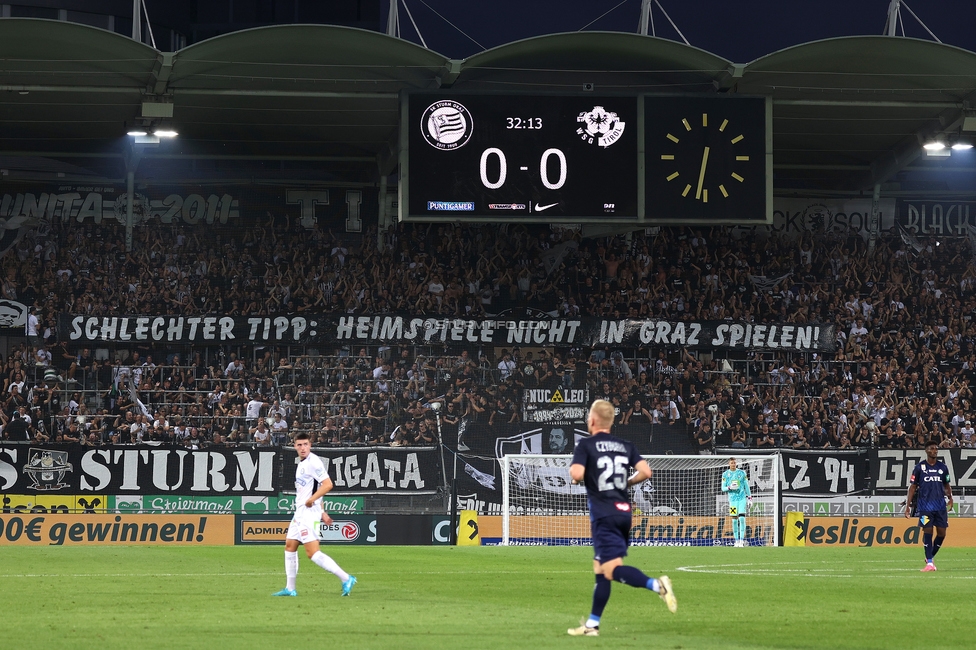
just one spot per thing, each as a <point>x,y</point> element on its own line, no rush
<point>901,373</point>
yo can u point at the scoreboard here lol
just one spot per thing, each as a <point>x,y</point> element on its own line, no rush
<point>585,158</point>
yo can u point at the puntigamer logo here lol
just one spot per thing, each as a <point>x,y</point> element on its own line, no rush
<point>446,125</point>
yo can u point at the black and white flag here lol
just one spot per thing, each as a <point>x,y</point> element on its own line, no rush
<point>486,480</point>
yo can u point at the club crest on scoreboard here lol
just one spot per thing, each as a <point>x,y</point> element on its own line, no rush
<point>600,126</point>
<point>447,125</point>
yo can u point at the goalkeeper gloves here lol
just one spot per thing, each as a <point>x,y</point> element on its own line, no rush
<point>749,500</point>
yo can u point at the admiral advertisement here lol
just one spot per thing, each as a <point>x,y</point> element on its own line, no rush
<point>352,530</point>
<point>328,328</point>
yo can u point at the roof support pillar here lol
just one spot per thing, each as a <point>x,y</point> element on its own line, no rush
<point>383,225</point>
<point>874,221</point>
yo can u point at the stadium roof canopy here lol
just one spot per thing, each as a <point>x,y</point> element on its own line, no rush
<point>320,103</point>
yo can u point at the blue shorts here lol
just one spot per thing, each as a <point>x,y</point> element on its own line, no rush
<point>611,536</point>
<point>937,518</point>
<point>738,507</point>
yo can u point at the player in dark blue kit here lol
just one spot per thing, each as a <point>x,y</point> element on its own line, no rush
<point>930,480</point>
<point>603,463</point>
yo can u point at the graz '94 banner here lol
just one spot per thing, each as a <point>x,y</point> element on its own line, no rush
<point>331,328</point>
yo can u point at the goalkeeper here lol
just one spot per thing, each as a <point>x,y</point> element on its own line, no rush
<point>736,484</point>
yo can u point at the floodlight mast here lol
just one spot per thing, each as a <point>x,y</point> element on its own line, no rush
<point>393,21</point>
<point>138,11</point>
<point>647,19</point>
<point>894,18</point>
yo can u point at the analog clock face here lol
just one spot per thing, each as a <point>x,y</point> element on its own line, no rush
<point>706,159</point>
<point>714,143</point>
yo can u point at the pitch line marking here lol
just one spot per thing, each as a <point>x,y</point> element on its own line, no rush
<point>812,569</point>
<point>269,573</point>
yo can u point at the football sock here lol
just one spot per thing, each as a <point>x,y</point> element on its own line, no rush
<point>927,542</point>
<point>937,544</point>
<point>291,569</point>
<point>742,527</point>
<point>631,576</point>
<point>329,565</point>
<point>601,594</point>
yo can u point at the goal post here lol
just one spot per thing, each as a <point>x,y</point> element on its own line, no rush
<point>681,505</point>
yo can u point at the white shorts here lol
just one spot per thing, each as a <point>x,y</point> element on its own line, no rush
<point>303,529</point>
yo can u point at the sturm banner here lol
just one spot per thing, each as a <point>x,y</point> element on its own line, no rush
<point>328,328</point>
<point>78,470</point>
<point>247,479</point>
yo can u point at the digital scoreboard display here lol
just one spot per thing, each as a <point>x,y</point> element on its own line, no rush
<point>510,158</point>
<point>645,160</point>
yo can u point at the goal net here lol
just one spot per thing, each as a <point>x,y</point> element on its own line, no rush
<point>682,505</point>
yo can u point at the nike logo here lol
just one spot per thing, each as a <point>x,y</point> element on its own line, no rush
<point>540,208</point>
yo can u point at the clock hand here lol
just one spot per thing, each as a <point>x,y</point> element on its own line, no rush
<point>701,174</point>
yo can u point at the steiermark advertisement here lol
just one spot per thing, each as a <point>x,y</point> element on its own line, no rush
<point>249,505</point>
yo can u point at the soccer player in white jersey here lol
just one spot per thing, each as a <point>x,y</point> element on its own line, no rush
<point>312,482</point>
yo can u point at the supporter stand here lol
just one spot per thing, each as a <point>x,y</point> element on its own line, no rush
<point>888,384</point>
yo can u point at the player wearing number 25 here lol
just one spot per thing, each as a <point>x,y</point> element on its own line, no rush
<point>736,484</point>
<point>603,463</point>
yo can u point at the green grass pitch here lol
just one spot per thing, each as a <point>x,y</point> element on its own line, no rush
<point>449,597</point>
